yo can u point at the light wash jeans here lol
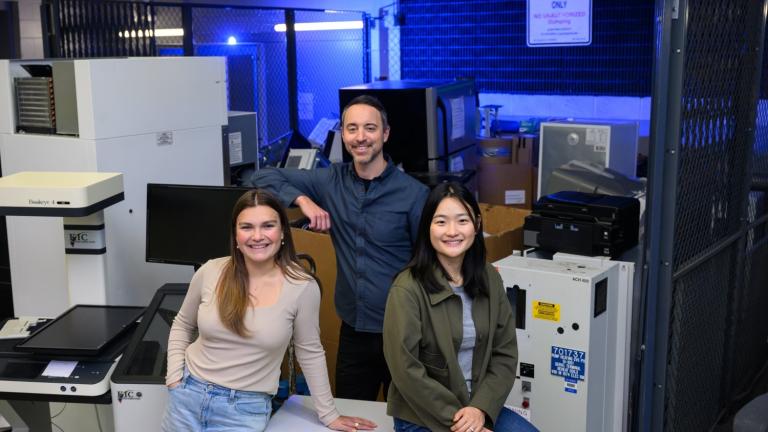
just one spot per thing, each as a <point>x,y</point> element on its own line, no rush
<point>198,406</point>
<point>508,421</point>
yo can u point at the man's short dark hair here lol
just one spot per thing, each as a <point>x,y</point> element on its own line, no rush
<point>370,101</point>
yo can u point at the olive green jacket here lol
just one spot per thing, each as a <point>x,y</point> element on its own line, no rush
<point>422,336</point>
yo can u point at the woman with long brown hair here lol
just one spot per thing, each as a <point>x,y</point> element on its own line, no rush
<point>228,340</point>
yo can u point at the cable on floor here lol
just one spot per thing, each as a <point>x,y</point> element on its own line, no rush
<point>60,411</point>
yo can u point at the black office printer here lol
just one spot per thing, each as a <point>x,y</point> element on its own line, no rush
<point>583,224</point>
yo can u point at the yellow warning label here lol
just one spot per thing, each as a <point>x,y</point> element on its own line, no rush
<point>547,311</point>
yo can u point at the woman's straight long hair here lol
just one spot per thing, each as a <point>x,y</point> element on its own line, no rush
<point>424,261</point>
<point>232,287</point>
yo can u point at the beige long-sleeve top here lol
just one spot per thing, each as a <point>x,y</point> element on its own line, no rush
<point>250,363</point>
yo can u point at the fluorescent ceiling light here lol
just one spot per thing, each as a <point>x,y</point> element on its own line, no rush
<point>167,32</point>
<point>326,25</point>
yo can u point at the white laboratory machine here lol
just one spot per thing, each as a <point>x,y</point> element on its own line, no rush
<point>139,394</point>
<point>152,119</point>
<point>573,336</point>
<point>78,197</point>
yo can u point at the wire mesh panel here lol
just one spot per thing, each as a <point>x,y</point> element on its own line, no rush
<point>717,124</point>
<point>722,43</point>
<point>103,29</point>
<point>760,156</point>
<point>696,352</point>
<point>391,22</point>
<point>169,31</point>
<point>326,60</point>
<point>256,61</point>
<point>750,322</point>
<point>443,39</point>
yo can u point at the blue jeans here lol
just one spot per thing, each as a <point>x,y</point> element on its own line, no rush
<point>508,421</point>
<point>198,406</point>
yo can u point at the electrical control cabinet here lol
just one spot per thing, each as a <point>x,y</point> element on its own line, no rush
<point>572,336</point>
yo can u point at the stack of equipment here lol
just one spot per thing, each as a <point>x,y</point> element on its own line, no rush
<point>583,224</point>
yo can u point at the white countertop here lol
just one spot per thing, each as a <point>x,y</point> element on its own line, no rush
<point>298,414</point>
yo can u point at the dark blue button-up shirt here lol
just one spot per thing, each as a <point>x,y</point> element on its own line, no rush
<point>372,231</point>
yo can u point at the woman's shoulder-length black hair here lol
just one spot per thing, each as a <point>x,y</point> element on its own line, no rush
<point>424,260</point>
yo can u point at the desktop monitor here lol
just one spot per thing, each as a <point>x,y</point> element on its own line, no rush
<point>276,152</point>
<point>189,224</point>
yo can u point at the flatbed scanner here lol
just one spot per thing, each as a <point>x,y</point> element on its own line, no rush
<point>88,338</point>
<point>583,224</point>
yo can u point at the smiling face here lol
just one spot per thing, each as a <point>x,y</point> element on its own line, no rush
<point>258,234</point>
<point>452,231</point>
<point>364,134</point>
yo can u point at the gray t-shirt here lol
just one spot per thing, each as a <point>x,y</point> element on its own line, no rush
<point>468,336</point>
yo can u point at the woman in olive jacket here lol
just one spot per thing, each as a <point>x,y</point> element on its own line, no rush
<point>449,330</point>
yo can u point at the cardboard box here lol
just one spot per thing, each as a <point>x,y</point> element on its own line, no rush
<point>513,182</point>
<point>507,184</point>
<point>320,248</point>
<point>503,230</point>
<point>496,150</point>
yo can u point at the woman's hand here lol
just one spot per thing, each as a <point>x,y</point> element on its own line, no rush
<point>174,385</point>
<point>468,419</point>
<point>351,424</point>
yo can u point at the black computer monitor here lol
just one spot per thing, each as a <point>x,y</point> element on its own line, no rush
<point>275,153</point>
<point>189,224</point>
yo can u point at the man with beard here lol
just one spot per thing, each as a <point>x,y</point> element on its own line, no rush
<point>371,210</point>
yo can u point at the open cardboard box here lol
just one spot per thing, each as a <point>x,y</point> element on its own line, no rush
<point>319,247</point>
<point>503,230</point>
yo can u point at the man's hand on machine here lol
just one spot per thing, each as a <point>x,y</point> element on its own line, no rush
<point>319,219</point>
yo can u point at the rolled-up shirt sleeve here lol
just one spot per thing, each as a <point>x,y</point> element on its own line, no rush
<point>311,354</point>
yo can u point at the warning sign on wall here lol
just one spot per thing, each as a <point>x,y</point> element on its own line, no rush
<point>559,22</point>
